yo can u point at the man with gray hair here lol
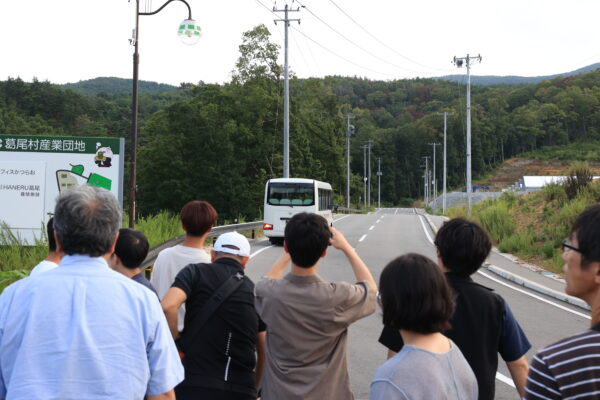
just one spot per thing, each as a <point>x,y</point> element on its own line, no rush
<point>82,330</point>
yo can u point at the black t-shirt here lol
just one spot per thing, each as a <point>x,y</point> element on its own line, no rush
<point>479,330</point>
<point>223,352</point>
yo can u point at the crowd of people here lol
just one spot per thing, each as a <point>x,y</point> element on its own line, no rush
<point>87,324</point>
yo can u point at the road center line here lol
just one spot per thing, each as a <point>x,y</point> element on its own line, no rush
<point>505,379</point>
<point>371,228</point>
<point>378,221</point>
<point>396,212</point>
<point>362,237</point>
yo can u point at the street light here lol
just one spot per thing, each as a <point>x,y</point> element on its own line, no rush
<point>189,33</point>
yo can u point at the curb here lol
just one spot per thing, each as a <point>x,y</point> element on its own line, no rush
<point>519,280</point>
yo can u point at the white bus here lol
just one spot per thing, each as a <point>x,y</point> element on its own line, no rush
<point>285,197</point>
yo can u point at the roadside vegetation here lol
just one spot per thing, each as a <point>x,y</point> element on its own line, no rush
<point>534,226</point>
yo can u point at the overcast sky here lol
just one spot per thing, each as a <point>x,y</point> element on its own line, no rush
<point>71,40</point>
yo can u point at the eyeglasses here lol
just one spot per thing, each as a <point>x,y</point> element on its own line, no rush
<point>567,245</point>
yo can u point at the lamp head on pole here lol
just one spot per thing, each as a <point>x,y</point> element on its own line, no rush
<point>189,32</point>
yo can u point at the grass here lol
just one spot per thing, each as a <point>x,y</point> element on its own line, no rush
<point>532,226</point>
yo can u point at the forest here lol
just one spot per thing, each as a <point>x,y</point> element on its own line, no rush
<point>222,142</point>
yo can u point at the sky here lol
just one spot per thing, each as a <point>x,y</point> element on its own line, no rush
<point>71,40</point>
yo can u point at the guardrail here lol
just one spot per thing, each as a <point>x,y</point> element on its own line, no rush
<point>216,231</point>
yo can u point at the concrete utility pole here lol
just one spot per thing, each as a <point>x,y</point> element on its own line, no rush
<point>286,92</point>
<point>459,61</point>
<point>379,182</point>
<point>426,176</point>
<point>445,171</point>
<point>365,173</point>
<point>349,132</point>
<point>369,143</point>
<point>434,180</point>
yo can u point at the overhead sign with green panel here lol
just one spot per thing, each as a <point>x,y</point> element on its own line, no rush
<point>35,169</point>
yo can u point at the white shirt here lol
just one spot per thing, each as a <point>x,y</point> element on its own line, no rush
<point>43,266</point>
<point>168,264</point>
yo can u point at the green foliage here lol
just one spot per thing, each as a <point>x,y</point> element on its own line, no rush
<point>157,228</point>
<point>10,276</point>
<point>578,178</point>
<point>497,220</point>
<point>517,243</point>
<point>15,256</point>
<point>554,192</point>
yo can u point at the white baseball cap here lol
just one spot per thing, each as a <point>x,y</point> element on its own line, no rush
<point>233,243</point>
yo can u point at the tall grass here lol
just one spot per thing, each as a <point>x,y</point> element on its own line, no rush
<point>496,219</point>
<point>13,256</point>
<point>158,228</point>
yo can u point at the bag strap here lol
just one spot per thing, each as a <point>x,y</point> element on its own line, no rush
<point>212,305</point>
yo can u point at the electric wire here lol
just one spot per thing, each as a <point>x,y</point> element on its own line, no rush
<point>329,50</point>
<point>356,45</point>
<point>380,41</point>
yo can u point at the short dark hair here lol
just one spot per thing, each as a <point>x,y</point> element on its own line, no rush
<point>415,295</point>
<point>306,237</point>
<point>463,245</point>
<point>198,217</point>
<point>50,234</point>
<point>86,220</point>
<point>587,229</point>
<point>132,247</point>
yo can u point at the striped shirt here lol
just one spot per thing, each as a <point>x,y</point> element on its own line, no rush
<point>568,369</point>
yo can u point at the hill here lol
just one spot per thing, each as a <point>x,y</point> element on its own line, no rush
<point>491,80</point>
<point>117,86</point>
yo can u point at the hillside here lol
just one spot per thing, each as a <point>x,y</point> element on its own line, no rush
<point>491,80</point>
<point>547,161</point>
<point>117,86</point>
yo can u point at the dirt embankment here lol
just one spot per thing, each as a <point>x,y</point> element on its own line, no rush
<point>511,170</point>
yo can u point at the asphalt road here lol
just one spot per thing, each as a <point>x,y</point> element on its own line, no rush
<point>378,238</point>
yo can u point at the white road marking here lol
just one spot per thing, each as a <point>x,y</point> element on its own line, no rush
<point>362,238</point>
<point>396,212</point>
<point>371,228</point>
<point>505,379</point>
<point>499,376</point>
<point>378,221</point>
<point>339,219</point>
<point>535,296</point>
<point>425,229</point>
<point>261,250</point>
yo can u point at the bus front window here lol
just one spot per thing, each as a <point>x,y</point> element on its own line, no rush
<point>291,194</point>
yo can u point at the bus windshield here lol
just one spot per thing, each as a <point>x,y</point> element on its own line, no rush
<point>291,194</point>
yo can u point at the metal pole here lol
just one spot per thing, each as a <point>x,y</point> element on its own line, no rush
<point>469,184</point>
<point>445,172</point>
<point>134,107</point>
<point>134,122</point>
<point>348,165</point>
<point>370,142</point>
<point>459,62</point>
<point>379,182</point>
<point>365,175</point>
<point>286,104</point>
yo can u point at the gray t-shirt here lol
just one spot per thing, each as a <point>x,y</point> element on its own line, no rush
<point>415,373</point>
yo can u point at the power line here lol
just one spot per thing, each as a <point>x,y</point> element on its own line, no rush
<point>381,42</point>
<point>342,57</point>
<point>354,44</point>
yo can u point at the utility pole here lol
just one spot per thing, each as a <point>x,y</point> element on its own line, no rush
<point>369,143</point>
<point>426,176</point>
<point>286,92</point>
<point>365,173</point>
<point>434,180</point>
<point>379,182</point>
<point>445,171</point>
<point>349,132</point>
<point>459,61</point>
